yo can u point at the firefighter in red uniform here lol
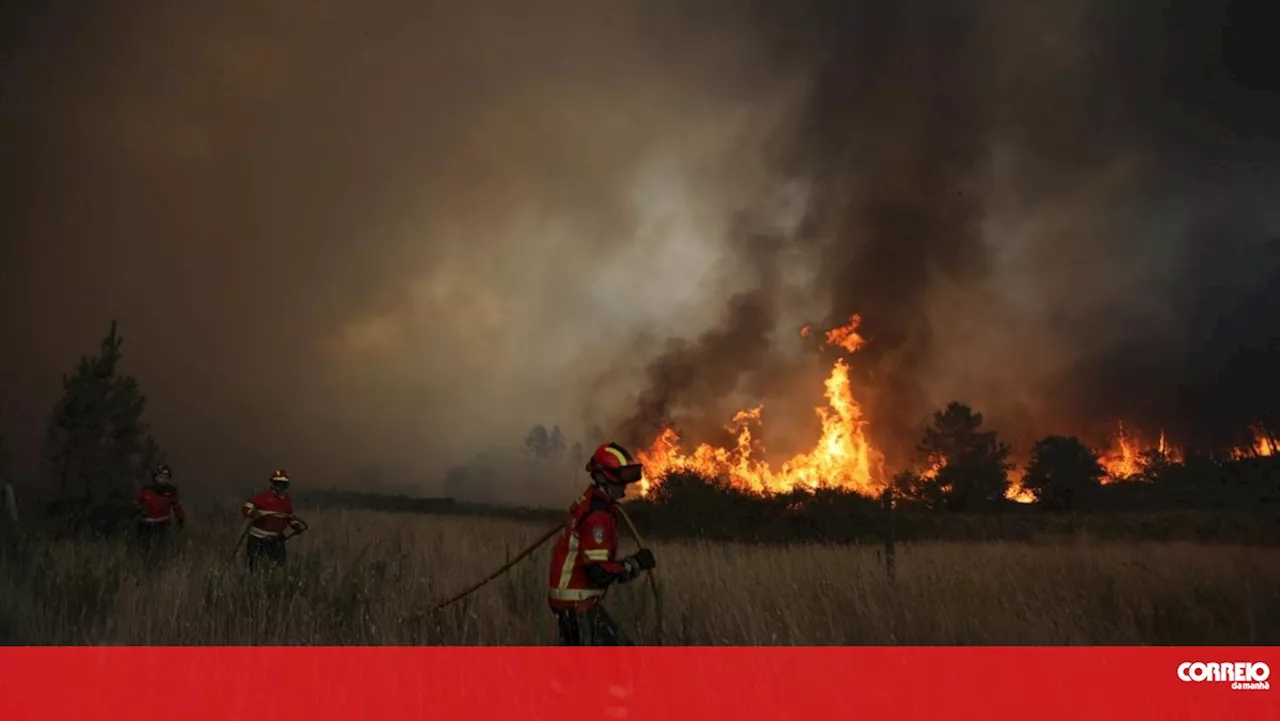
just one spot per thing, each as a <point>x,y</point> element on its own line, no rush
<point>158,508</point>
<point>584,562</point>
<point>270,514</point>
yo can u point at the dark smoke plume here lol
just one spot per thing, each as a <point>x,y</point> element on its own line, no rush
<point>398,234</point>
<point>1054,211</point>
<point>688,380</point>
<point>694,376</point>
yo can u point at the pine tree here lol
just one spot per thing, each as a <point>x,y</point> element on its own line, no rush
<point>1063,474</point>
<point>970,466</point>
<point>97,445</point>
<point>537,442</point>
<point>555,444</point>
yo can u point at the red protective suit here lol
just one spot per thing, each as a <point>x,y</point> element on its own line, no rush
<point>275,513</point>
<point>584,561</point>
<point>158,504</point>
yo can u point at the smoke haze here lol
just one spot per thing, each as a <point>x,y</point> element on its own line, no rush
<point>396,236</point>
<point>1053,212</point>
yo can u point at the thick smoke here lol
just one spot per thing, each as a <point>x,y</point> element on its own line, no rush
<point>390,235</point>
<point>693,379</point>
<point>395,235</point>
<point>1054,211</point>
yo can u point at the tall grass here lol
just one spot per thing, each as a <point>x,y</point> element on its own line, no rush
<point>363,577</point>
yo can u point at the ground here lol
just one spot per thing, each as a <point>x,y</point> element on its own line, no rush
<point>367,577</point>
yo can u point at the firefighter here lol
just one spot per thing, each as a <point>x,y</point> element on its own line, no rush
<point>270,514</point>
<point>159,508</point>
<point>584,562</point>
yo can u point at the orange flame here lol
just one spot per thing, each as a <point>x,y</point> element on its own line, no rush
<point>846,336</point>
<point>932,467</point>
<point>1018,494</point>
<point>842,458</point>
<point>1263,446</point>
<point>1127,457</point>
<point>1014,493</point>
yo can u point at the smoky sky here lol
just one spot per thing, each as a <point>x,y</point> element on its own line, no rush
<point>1060,213</point>
<point>344,235</point>
<point>395,234</point>
<point>1047,211</point>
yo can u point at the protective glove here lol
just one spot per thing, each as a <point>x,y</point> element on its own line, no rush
<point>641,560</point>
<point>645,558</point>
<point>298,525</point>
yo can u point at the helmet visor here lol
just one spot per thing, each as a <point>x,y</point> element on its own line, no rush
<point>629,474</point>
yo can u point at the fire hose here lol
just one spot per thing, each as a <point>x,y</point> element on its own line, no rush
<point>653,581</point>
<point>244,532</point>
<point>635,534</point>
<point>519,557</point>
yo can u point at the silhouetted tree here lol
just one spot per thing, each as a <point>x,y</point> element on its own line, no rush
<point>555,444</point>
<point>914,487</point>
<point>576,454</point>
<point>1063,473</point>
<point>972,468</point>
<point>1179,483</point>
<point>537,442</point>
<point>97,445</point>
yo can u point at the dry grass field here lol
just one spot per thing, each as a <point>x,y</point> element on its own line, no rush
<point>363,577</point>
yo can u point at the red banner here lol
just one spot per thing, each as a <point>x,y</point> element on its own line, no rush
<point>346,684</point>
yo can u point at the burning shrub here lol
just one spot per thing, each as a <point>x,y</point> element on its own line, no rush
<point>1064,474</point>
<point>967,468</point>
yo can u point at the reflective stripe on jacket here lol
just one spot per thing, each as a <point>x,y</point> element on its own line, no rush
<point>589,538</point>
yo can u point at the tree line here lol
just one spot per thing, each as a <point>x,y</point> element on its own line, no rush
<point>962,466</point>
<point>959,492</point>
<point>98,448</point>
<point>966,468</point>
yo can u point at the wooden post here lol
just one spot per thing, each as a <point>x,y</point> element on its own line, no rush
<point>890,561</point>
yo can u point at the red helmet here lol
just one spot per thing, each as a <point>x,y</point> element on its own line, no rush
<point>162,471</point>
<point>614,464</point>
<point>280,477</point>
